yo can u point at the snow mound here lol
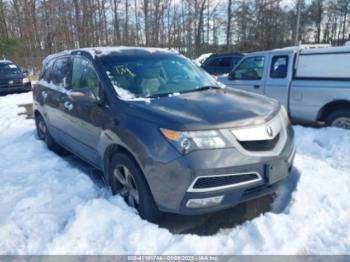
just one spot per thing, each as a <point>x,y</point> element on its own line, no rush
<point>49,206</point>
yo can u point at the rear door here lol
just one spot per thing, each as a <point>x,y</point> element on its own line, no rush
<point>249,74</point>
<point>52,91</point>
<point>279,77</point>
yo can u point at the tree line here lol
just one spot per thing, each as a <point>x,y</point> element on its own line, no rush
<point>32,29</point>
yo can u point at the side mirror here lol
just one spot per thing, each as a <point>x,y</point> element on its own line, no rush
<point>25,73</point>
<point>82,94</point>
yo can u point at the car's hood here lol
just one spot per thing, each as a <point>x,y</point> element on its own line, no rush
<point>208,109</point>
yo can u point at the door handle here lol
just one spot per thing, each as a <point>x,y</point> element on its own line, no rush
<point>68,105</point>
<point>256,86</point>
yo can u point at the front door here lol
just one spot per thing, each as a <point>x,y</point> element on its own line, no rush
<point>279,77</point>
<point>249,75</point>
<point>84,114</point>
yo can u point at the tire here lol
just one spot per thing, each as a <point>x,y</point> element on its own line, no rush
<point>339,118</point>
<point>127,180</point>
<point>43,134</point>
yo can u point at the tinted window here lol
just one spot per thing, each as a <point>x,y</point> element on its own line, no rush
<point>235,61</point>
<point>221,62</point>
<point>213,62</point>
<point>84,76</point>
<point>279,67</point>
<point>155,75</point>
<point>251,68</point>
<point>60,72</point>
<point>225,62</point>
<point>46,71</point>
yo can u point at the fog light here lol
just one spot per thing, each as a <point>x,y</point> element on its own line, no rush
<point>204,202</point>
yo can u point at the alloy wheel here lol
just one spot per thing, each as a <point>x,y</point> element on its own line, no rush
<point>126,185</point>
<point>41,128</point>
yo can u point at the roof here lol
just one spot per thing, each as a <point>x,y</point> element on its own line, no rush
<point>228,54</point>
<point>113,50</point>
<point>307,49</point>
<point>5,61</point>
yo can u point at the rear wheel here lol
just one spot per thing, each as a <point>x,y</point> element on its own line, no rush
<point>43,134</point>
<point>340,118</point>
<point>127,180</point>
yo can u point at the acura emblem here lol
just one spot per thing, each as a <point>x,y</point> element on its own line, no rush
<point>11,82</point>
<point>269,131</point>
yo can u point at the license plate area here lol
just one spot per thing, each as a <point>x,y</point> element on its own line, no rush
<point>276,171</point>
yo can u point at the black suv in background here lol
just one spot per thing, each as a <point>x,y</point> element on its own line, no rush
<point>165,134</point>
<point>218,64</point>
<point>12,78</point>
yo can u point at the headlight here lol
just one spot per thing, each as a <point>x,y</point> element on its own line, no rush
<point>25,80</point>
<point>188,141</point>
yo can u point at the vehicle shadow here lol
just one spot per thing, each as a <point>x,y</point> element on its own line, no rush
<point>203,225</point>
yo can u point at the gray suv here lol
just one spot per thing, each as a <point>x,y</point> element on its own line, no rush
<point>167,137</point>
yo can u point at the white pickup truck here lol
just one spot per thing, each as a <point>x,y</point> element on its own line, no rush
<point>312,83</point>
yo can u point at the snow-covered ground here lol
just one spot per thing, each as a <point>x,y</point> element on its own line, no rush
<point>49,206</point>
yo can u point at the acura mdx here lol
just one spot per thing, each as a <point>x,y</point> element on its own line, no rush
<point>166,135</point>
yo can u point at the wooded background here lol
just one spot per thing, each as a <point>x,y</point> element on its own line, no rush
<point>32,29</point>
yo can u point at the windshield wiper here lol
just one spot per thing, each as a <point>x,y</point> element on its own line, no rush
<point>202,88</point>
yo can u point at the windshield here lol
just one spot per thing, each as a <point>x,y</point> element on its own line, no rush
<point>156,75</point>
<point>9,69</point>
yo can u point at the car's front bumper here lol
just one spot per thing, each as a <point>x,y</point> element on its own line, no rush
<point>172,183</point>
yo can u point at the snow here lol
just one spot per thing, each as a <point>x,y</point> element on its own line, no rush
<point>108,50</point>
<point>128,96</point>
<point>49,205</point>
<point>174,94</point>
<point>200,60</point>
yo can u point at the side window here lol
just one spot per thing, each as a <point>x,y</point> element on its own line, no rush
<point>225,62</point>
<point>85,76</point>
<point>236,60</point>
<point>251,68</point>
<point>46,71</point>
<point>279,67</point>
<point>212,62</point>
<point>61,72</point>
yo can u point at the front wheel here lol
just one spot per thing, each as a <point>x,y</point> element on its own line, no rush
<point>127,180</point>
<point>340,118</point>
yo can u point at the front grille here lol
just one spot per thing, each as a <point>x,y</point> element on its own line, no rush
<point>6,84</point>
<point>260,145</point>
<point>219,181</point>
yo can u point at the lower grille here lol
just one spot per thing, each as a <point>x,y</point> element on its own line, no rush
<point>227,180</point>
<point>261,145</point>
